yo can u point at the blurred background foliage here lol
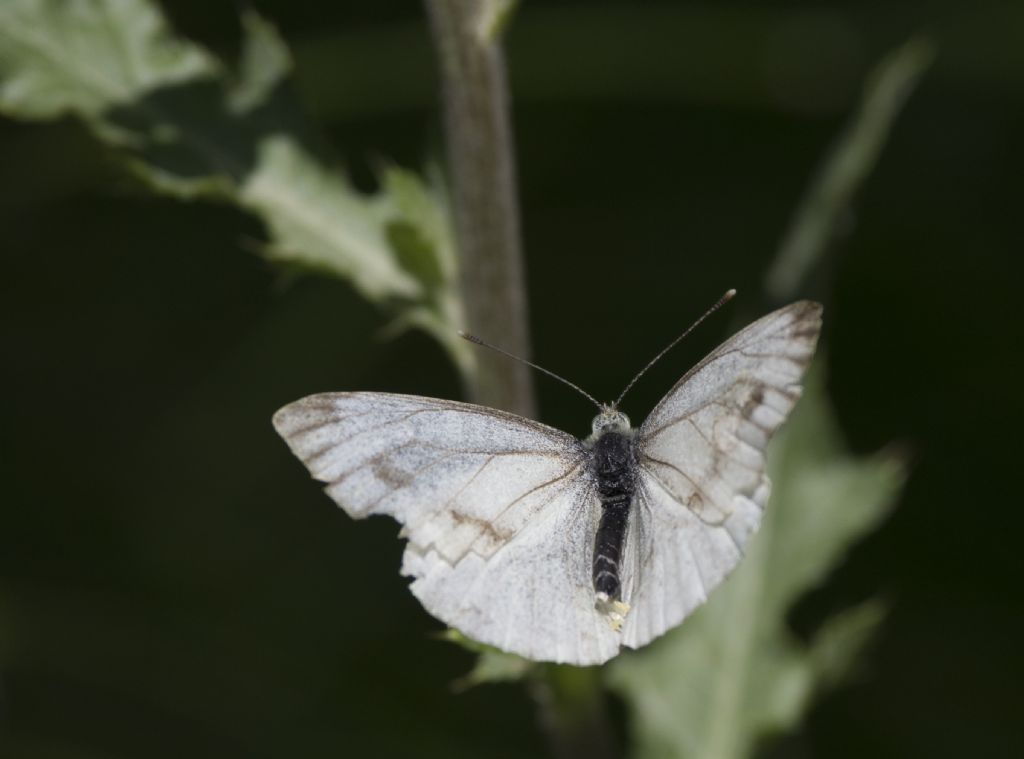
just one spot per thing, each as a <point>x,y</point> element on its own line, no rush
<point>170,581</point>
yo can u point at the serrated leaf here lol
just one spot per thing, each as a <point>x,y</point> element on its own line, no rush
<point>187,127</point>
<point>317,218</point>
<point>733,672</point>
<point>85,56</point>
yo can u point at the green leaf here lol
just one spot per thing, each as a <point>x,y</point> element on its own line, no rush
<point>837,646</point>
<point>316,218</point>
<point>422,220</point>
<point>421,234</point>
<point>162,100</point>
<point>187,126</point>
<point>847,166</point>
<point>492,665</point>
<point>265,63</point>
<point>85,56</point>
<point>734,673</point>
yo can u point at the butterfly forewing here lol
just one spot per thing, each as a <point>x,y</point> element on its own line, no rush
<point>701,455</point>
<point>704,443</point>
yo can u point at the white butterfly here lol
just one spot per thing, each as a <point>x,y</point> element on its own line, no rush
<point>558,549</point>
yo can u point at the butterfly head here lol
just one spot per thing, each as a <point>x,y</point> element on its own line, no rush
<point>609,420</point>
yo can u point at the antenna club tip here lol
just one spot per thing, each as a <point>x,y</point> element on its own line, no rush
<point>729,294</point>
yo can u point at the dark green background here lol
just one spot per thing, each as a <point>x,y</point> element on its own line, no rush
<point>171,582</point>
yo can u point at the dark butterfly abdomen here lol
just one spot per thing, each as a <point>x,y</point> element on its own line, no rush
<point>614,469</point>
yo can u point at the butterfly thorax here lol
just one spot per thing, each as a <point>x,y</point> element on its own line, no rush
<point>613,467</point>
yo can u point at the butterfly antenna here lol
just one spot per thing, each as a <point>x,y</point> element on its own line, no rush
<point>721,302</point>
<point>577,388</point>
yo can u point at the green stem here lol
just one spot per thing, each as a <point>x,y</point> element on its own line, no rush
<point>573,712</point>
<point>482,168</point>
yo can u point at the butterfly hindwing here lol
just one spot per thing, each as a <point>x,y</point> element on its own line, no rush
<point>534,597</point>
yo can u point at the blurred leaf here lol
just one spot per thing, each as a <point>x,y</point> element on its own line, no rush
<point>187,127</point>
<point>421,210</point>
<point>315,217</point>
<point>842,638</point>
<point>734,673</point>
<point>415,254</point>
<point>853,157</point>
<point>492,665</point>
<point>264,64</point>
<point>61,56</point>
<point>420,232</point>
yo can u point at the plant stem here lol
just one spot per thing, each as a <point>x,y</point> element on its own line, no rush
<point>573,712</point>
<point>482,168</point>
